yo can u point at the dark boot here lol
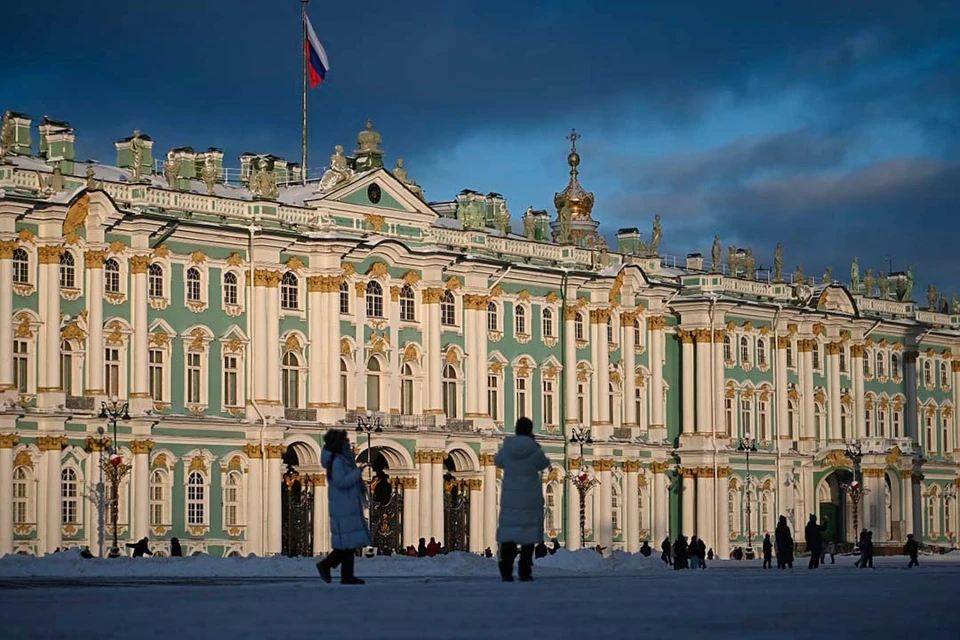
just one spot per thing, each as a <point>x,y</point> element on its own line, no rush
<point>346,572</point>
<point>330,561</point>
<point>508,552</point>
<point>526,563</point>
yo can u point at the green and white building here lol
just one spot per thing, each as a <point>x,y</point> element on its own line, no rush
<point>242,313</point>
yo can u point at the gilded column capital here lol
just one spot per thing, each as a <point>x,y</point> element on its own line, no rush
<point>906,474</point>
<point>631,466</point>
<point>7,247</point>
<point>659,467</point>
<point>703,335</point>
<point>910,357</point>
<point>252,451</point>
<point>656,323</point>
<point>408,483</point>
<point>50,253</point>
<point>8,440</point>
<point>834,348</point>
<point>360,288</point>
<point>275,450</point>
<point>724,472</point>
<point>955,366</point>
<point>475,484</point>
<point>719,335</point>
<point>94,445</point>
<point>51,443</point>
<point>705,472</point>
<point>857,350</point>
<point>574,464</point>
<point>570,311</point>
<point>604,464</point>
<point>599,316</point>
<point>627,318</point>
<point>783,342</point>
<point>438,457</point>
<point>432,295</point>
<point>686,336</point>
<point>805,345</point>
<point>870,472</point>
<point>94,259</point>
<point>141,446</point>
<point>395,293</point>
<point>486,460</point>
<point>139,264</point>
<point>688,472</point>
<point>476,302</point>
<point>316,284</point>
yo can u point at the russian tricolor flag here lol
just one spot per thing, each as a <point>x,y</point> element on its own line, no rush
<point>317,63</point>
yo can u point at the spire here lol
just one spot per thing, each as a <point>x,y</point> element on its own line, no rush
<point>580,202</point>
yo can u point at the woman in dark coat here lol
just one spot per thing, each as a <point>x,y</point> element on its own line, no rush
<point>175,550</point>
<point>784,542</point>
<point>346,494</point>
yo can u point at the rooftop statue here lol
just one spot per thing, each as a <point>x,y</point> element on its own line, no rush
<point>657,236</point>
<point>798,277</point>
<point>136,153</point>
<point>716,251</point>
<point>171,170</point>
<point>401,174</point>
<point>337,173</point>
<point>56,182</point>
<point>563,237</point>
<point>749,265</point>
<point>263,181</point>
<point>932,297</point>
<point>954,304</point>
<point>778,263</point>
<point>855,276</point>
<point>529,224</point>
<point>503,219</point>
<point>89,174</point>
<point>6,135</point>
<point>470,212</point>
<point>209,175</point>
<point>732,260</point>
<point>868,283</point>
<point>884,285</point>
<point>910,283</point>
<point>828,275</point>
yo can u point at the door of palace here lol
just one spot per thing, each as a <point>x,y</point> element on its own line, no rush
<point>456,515</point>
<point>296,506</point>
<point>386,513</point>
<point>830,516</point>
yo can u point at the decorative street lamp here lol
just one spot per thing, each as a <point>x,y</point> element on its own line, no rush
<point>370,427</point>
<point>113,465</point>
<point>748,445</point>
<point>855,489</point>
<point>582,481</point>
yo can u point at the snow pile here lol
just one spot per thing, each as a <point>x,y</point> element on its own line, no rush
<point>589,561</point>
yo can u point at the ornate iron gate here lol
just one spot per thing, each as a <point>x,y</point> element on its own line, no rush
<point>386,514</point>
<point>297,512</point>
<point>456,515</point>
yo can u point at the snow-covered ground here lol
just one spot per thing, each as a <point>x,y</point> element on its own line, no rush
<point>575,595</point>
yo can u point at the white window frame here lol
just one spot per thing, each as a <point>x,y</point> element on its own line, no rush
<point>548,402</point>
<point>579,328</point>
<point>240,380</point>
<point>204,373</point>
<point>285,384</point>
<point>291,298</point>
<point>67,273</point>
<point>23,268</point>
<point>163,369</point>
<point>548,325</point>
<point>74,497</point>
<point>451,386</point>
<point>28,500</point>
<point>204,501</point>
<point>204,299</point>
<point>495,408</point>
<point>521,326</point>
<point>121,369</point>
<point>109,273</point>
<point>493,309</point>
<point>448,309</point>
<point>24,351</point>
<point>240,289</point>
<point>408,304</point>
<point>521,396</point>
<point>237,502</point>
<point>373,300</point>
<point>165,502</point>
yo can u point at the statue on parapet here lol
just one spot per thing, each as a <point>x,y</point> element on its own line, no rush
<point>56,182</point>
<point>263,181</point>
<point>657,235</point>
<point>855,276</point>
<point>171,170</point>
<point>529,224</point>
<point>932,297</point>
<point>732,262</point>
<point>401,174</point>
<point>908,295</point>
<point>798,277</point>
<point>209,175</point>
<point>369,154</point>
<point>136,154</point>
<point>884,285</point>
<point>564,237</point>
<point>715,251</point>
<point>503,219</point>
<point>337,173</point>
<point>954,304</point>
<point>828,275</point>
<point>778,263</point>
<point>868,283</point>
<point>7,135</point>
<point>749,265</point>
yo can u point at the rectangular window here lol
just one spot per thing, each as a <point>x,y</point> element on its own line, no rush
<point>111,365</point>
<point>520,408</point>
<point>610,332</point>
<point>816,355</point>
<point>193,378</point>
<point>156,505</point>
<point>728,415</point>
<point>762,419</point>
<point>20,365</point>
<point>896,424</point>
<point>745,417</point>
<point>344,299</point>
<point>406,308</point>
<point>548,402</point>
<point>230,375</point>
<point>790,355</point>
<point>66,370</point>
<point>493,396</point>
<point>931,439</point>
<point>156,375</point>
<point>581,403</point>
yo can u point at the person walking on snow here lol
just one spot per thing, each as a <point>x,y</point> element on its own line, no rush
<point>784,544</point>
<point>767,552</point>
<point>140,547</point>
<point>521,502</point>
<point>814,540</point>
<point>346,495</point>
<point>665,548</point>
<point>912,549</point>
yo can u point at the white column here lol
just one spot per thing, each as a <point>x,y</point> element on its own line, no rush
<point>906,493</point>
<point>432,350</point>
<point>436,508</point>
<point>806,392</point>
<point>426,493</point>
<point>320,541</point>
<point>955,368</point>
<point>833,387</point>
<point>274,496</point>
<point>604,524</point>
<point>7,442</point>
<point>393,379</point>
<point>910,425</point>
<point>572,532</point>
<point>631,530</point>
<point>317,320</point>
<point>659,503</point>
<point>360,356</point>
<point>704,338</point>
<point>719,377</point>
<point>476,515</point>
<point>331,346</point>
<point>473,387</point>
<point>93,476</point>
<point>721,545</point>
<point>658,424</point>
<point>50,536</point>
<point>411,512</point>
<point>94,297</point>
<point>859,410</point>
<point>689,388</point>
<point>570,367</point>
<point>49,387</point>
<point>629,350</point>
<point>780,392</point>
<point>705,494</point>
<point>270,365</point>
<point>875,509</point>
<point>254,507</point>
<point>141,489</point>
<point>688,502</point>
<point>7,247</point>
<point>139,362</point>
<point>489,501</point>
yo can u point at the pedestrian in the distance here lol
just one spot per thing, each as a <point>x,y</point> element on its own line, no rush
<point>175,550</point>
<point>912,549</point>
<point>140,547</point>
<point>521,502</point>
<point>346,495</point>
<point>767,552</point>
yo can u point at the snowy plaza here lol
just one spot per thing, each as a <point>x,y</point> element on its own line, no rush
<point>575,595</point>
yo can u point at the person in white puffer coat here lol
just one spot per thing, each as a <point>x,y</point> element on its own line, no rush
<point>521,501</point>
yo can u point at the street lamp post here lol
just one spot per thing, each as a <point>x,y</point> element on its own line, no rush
<point>582,481</point>
<point>855,489</point>
<point>369,426</point>
<point>748,445</point>
<point>113,466</point>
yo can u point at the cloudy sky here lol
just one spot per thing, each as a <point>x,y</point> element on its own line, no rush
<point>829,126</point>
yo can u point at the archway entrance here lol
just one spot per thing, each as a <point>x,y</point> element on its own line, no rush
<point>296,506</point>
<point>456,507</point>
<point>836,510</point>
<point>386,502</point>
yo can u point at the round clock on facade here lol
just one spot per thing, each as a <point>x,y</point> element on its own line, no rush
<point>373,192</point>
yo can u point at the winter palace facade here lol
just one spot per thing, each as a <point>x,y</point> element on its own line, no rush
<point>241,313</point>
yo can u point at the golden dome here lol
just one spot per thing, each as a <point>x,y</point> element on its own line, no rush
<point>579,202</point>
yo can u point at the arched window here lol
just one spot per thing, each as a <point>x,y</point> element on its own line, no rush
<point>548,413</point>
<point>611,402</point>
<point>21,496</point>
<point>894,365</point>
<point>196,503</point>
<point>373,384</point>
<point>616,516</point>
<point>232,500</point>
<point>406,390</point>
<point>111,276</point>
<point>550,506</point>
<point>819,421</point>
<point>727,349</point>
<point>21,266</point>
<point>155,280</point>
<point>927,373</point>
<point>450,404</point>
<point>344,382</point>
<point>761,352</point>
<point>733,501</point>
<point>230,289</point>
<point>290,291</point>
<point>193,284</point>
<point>448,309</point>
<point>68,271</point>
<point>66,367</point>
<point>578,327</point>
<point>548,323</point>
<point>407,306</point>
<point>881,421</point>
<point>944,375</point>
<point>933,519</point>
<point>520,320</point>
<point>290,379</point>
<point>374,298</point>
<point>816,355</point>
<point>843,360</point>
<point>493,320</point>
<point>766,512</point>
<point>344,297</point>
<point>69,497</point>
<point>881,369</point>
<point>637,333</point>
<point>158,498</point>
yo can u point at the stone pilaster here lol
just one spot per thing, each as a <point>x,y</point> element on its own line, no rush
<point>476,515</point>
<point>599,319</point>
<point>628,348</point>
<point>93,260</point>
<point>274,495</point>
<point>688,389</point>
<point>432,352</point>
<point>719,378</point>
<point>317,320</point>
<point>50,522</point>
<point>255,491</point>
<point>7,247</point>
<point>424,464</point>
<point>411,511</point>
<point>955,373</point>
<point>49,386</point>
<point>321,515</point>
<point>784,436</point>
<point>658,424</point>
<point>859,408</point>
<point>704,374</point>
<point>141,489</point>
<point>603,516</point>
<point>688,500</point>
<point>722,543</point>
<point>809,433</point>
<point>570,369</point>
<point>631,515</point>
<point>475,336</point>
<point>660,501</point>
<point>271,338</point>
<point>706,493</point>
<point>911,428</point>
<point>7,442</point>
<point>436,505</point>
<point>139,362</point>
<point>832,429</point>
<point>489,500</point>
<point>874,504</point>
<point>393,381</point>
<point>573,508</point>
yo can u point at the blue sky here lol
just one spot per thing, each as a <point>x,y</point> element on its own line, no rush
<point>829,126</point>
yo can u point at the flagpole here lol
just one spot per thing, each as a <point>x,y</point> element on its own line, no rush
<point>303,54</point>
